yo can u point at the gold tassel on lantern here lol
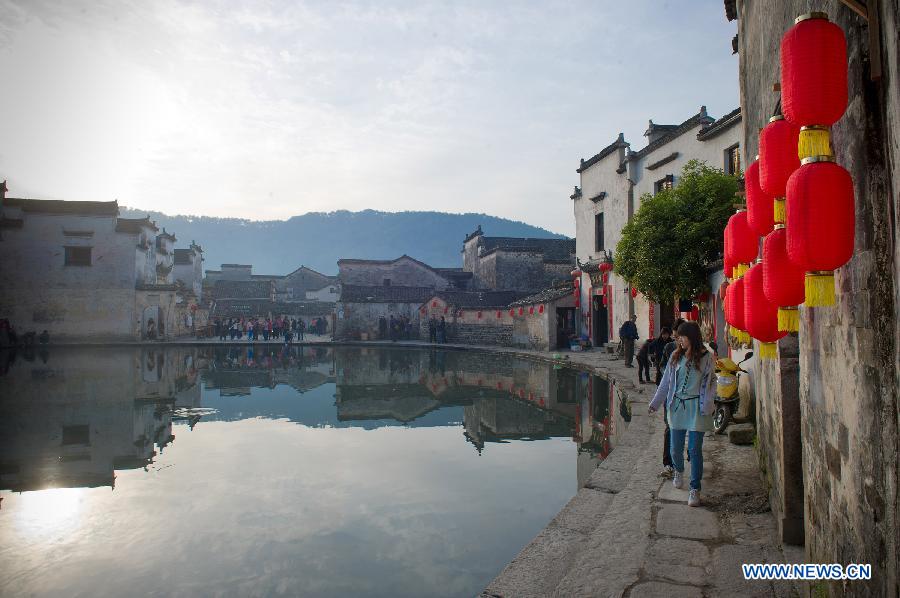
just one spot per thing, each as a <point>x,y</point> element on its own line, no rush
<point>788,319</point>
<point>819,289</point>
<point>768,350</point>
<point>740,270</point>
<point>814,141</point>
<point>780,214</point>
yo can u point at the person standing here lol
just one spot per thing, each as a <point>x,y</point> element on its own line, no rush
<point>432,330</point>
<point>301,328</point>
<point>442,331</point>
<point>688,389</point>
<point>628,333</point>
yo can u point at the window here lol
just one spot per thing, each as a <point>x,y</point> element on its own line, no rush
<point>78,256</point>
<point>76,435</point>
<point>665,183</point>
<point>332,290</point>
<point>599,244</point>
<point>733,160</point>
<point>387,282</point>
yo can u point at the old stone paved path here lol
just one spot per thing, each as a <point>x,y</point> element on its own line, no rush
<point>628,532</point>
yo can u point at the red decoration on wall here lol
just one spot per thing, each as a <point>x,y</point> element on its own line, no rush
<point>760,207</point>
<point>783,281</point>
<point>479,315</point>
<point>760,315</point>
<point>814,71</point>
<point>777,158</point>
<point>634,293</point>
<point>422,311</point>
<point>531,311</point>
<point>820,224</point>
<point>541,308</point>
<point>521,311</point>
<point>512,313</point>
<point>605,267</point>
<point>743,242</point>
<point>605,301</point>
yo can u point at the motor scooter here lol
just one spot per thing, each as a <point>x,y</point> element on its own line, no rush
<point>727,395</point>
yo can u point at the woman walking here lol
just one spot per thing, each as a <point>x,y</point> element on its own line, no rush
<point>688,390</point>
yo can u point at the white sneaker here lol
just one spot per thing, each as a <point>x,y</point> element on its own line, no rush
<point>678,479</point>
<point>694,498</point>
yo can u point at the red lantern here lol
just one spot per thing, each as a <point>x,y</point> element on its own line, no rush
<point>605,267</point>
<point>541,308</point>
<point>734,310</point>
<point>694,314</point>
<point>422,311</point>
<point>512,313</point>
<point>760,314</point>
<point>499,314</point>
<point>634,292</point>
<point>777,160</point>
<point>531,311</point>
<point>743,243</point>
<point>479,315</point>
<point>521,311</point>
<point>814,71</point>
<point>782,280</point>
<point>760,207</point>
<point>820,237</point>
<point>434,304</point>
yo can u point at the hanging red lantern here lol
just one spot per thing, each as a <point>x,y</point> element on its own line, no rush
<point>814,71</point>
<point>734,310</point>
<point>783,281</point>
<point>521,311</point>
<point>820,238</point>
<point>777,161</point>
<point>694,314</point>
<point>727,261</point>
<point>499,314</point>
<point>541,308</point>
<point>760,212</point>
<point>422,311</point>
<point>605,266</point>
<point>760,314</point>
<point>512,313</point>
<point>531,311</point>
<point>743,243</point>
<point>634,293</point>
<point>479,315</point>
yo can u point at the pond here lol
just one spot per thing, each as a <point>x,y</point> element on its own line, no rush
<point>319,471</point>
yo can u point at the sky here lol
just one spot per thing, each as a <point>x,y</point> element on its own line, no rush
<point>266,110</point>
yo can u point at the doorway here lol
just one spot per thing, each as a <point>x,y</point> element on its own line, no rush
<point>600,319</point>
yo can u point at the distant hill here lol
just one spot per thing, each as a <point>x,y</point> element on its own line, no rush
<point>318,239</point>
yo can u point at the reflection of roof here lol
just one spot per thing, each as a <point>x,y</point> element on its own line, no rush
<point>552,249</point>
<point>242,289</point>
<point>382,294</point>
<point>57,206</point>
<point>547,295</point>
<point>482,299</point>
<point>183,256</point>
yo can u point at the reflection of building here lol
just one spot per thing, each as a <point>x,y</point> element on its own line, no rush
<point>73,417</point>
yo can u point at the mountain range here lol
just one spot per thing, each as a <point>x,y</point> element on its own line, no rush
<point>318,239</point>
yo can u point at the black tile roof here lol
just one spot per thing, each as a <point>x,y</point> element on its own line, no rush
<point>547,295</point>
<point>477,299</point>
<point>701,118</point>
<point>553,249</point>
<point>721,125</point>
<point>382,294</point>
<point>619,142</point>
<point>57,206</point>
<point>243,289</point>
<point>134,225</point>
<point>263,307</point>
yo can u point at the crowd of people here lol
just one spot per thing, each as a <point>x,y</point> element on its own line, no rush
<point>266,329</point>
<point>395,329</point>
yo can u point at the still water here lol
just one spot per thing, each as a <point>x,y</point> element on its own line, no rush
<point>317,471</point>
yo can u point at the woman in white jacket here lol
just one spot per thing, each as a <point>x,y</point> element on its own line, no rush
<point>688,387</point>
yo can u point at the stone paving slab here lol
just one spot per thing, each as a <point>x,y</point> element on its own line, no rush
<point>671,493</point>
<point>687,522</point>
<point>655,589</point>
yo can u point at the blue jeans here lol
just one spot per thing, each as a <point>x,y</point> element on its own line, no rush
<point>695,450</point>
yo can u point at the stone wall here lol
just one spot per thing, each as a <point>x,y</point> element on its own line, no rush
<point>356,318</point>
<point>401,272</point>
<point>848,358</point>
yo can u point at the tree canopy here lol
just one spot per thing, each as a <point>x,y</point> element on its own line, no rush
<point>668,244</point>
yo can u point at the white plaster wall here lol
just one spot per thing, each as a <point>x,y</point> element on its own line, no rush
<point>329,294</point>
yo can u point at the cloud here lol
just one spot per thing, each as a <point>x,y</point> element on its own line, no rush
<point>274,109</point>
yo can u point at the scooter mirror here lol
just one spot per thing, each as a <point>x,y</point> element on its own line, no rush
<point>747,356</point>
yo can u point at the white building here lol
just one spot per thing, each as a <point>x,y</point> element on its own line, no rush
<point>612,184</point>
<point>77,270</point>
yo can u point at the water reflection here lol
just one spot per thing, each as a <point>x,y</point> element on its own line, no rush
<point>398,475</point>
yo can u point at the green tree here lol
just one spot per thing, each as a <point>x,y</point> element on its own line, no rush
<point>675,234</point>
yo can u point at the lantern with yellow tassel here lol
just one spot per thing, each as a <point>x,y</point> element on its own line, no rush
<point>743,243</point>
<point>734,311</point>
<point>777,161</point>
<point>814,80</point>
<point>761,315</point>
<point>760,214</point>
<point>820,224</point>
<point>783,282</point>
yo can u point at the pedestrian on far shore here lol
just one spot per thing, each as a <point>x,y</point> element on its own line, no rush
<point>442,331</point>
<point>688,389</point>
<point>628,333</point>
